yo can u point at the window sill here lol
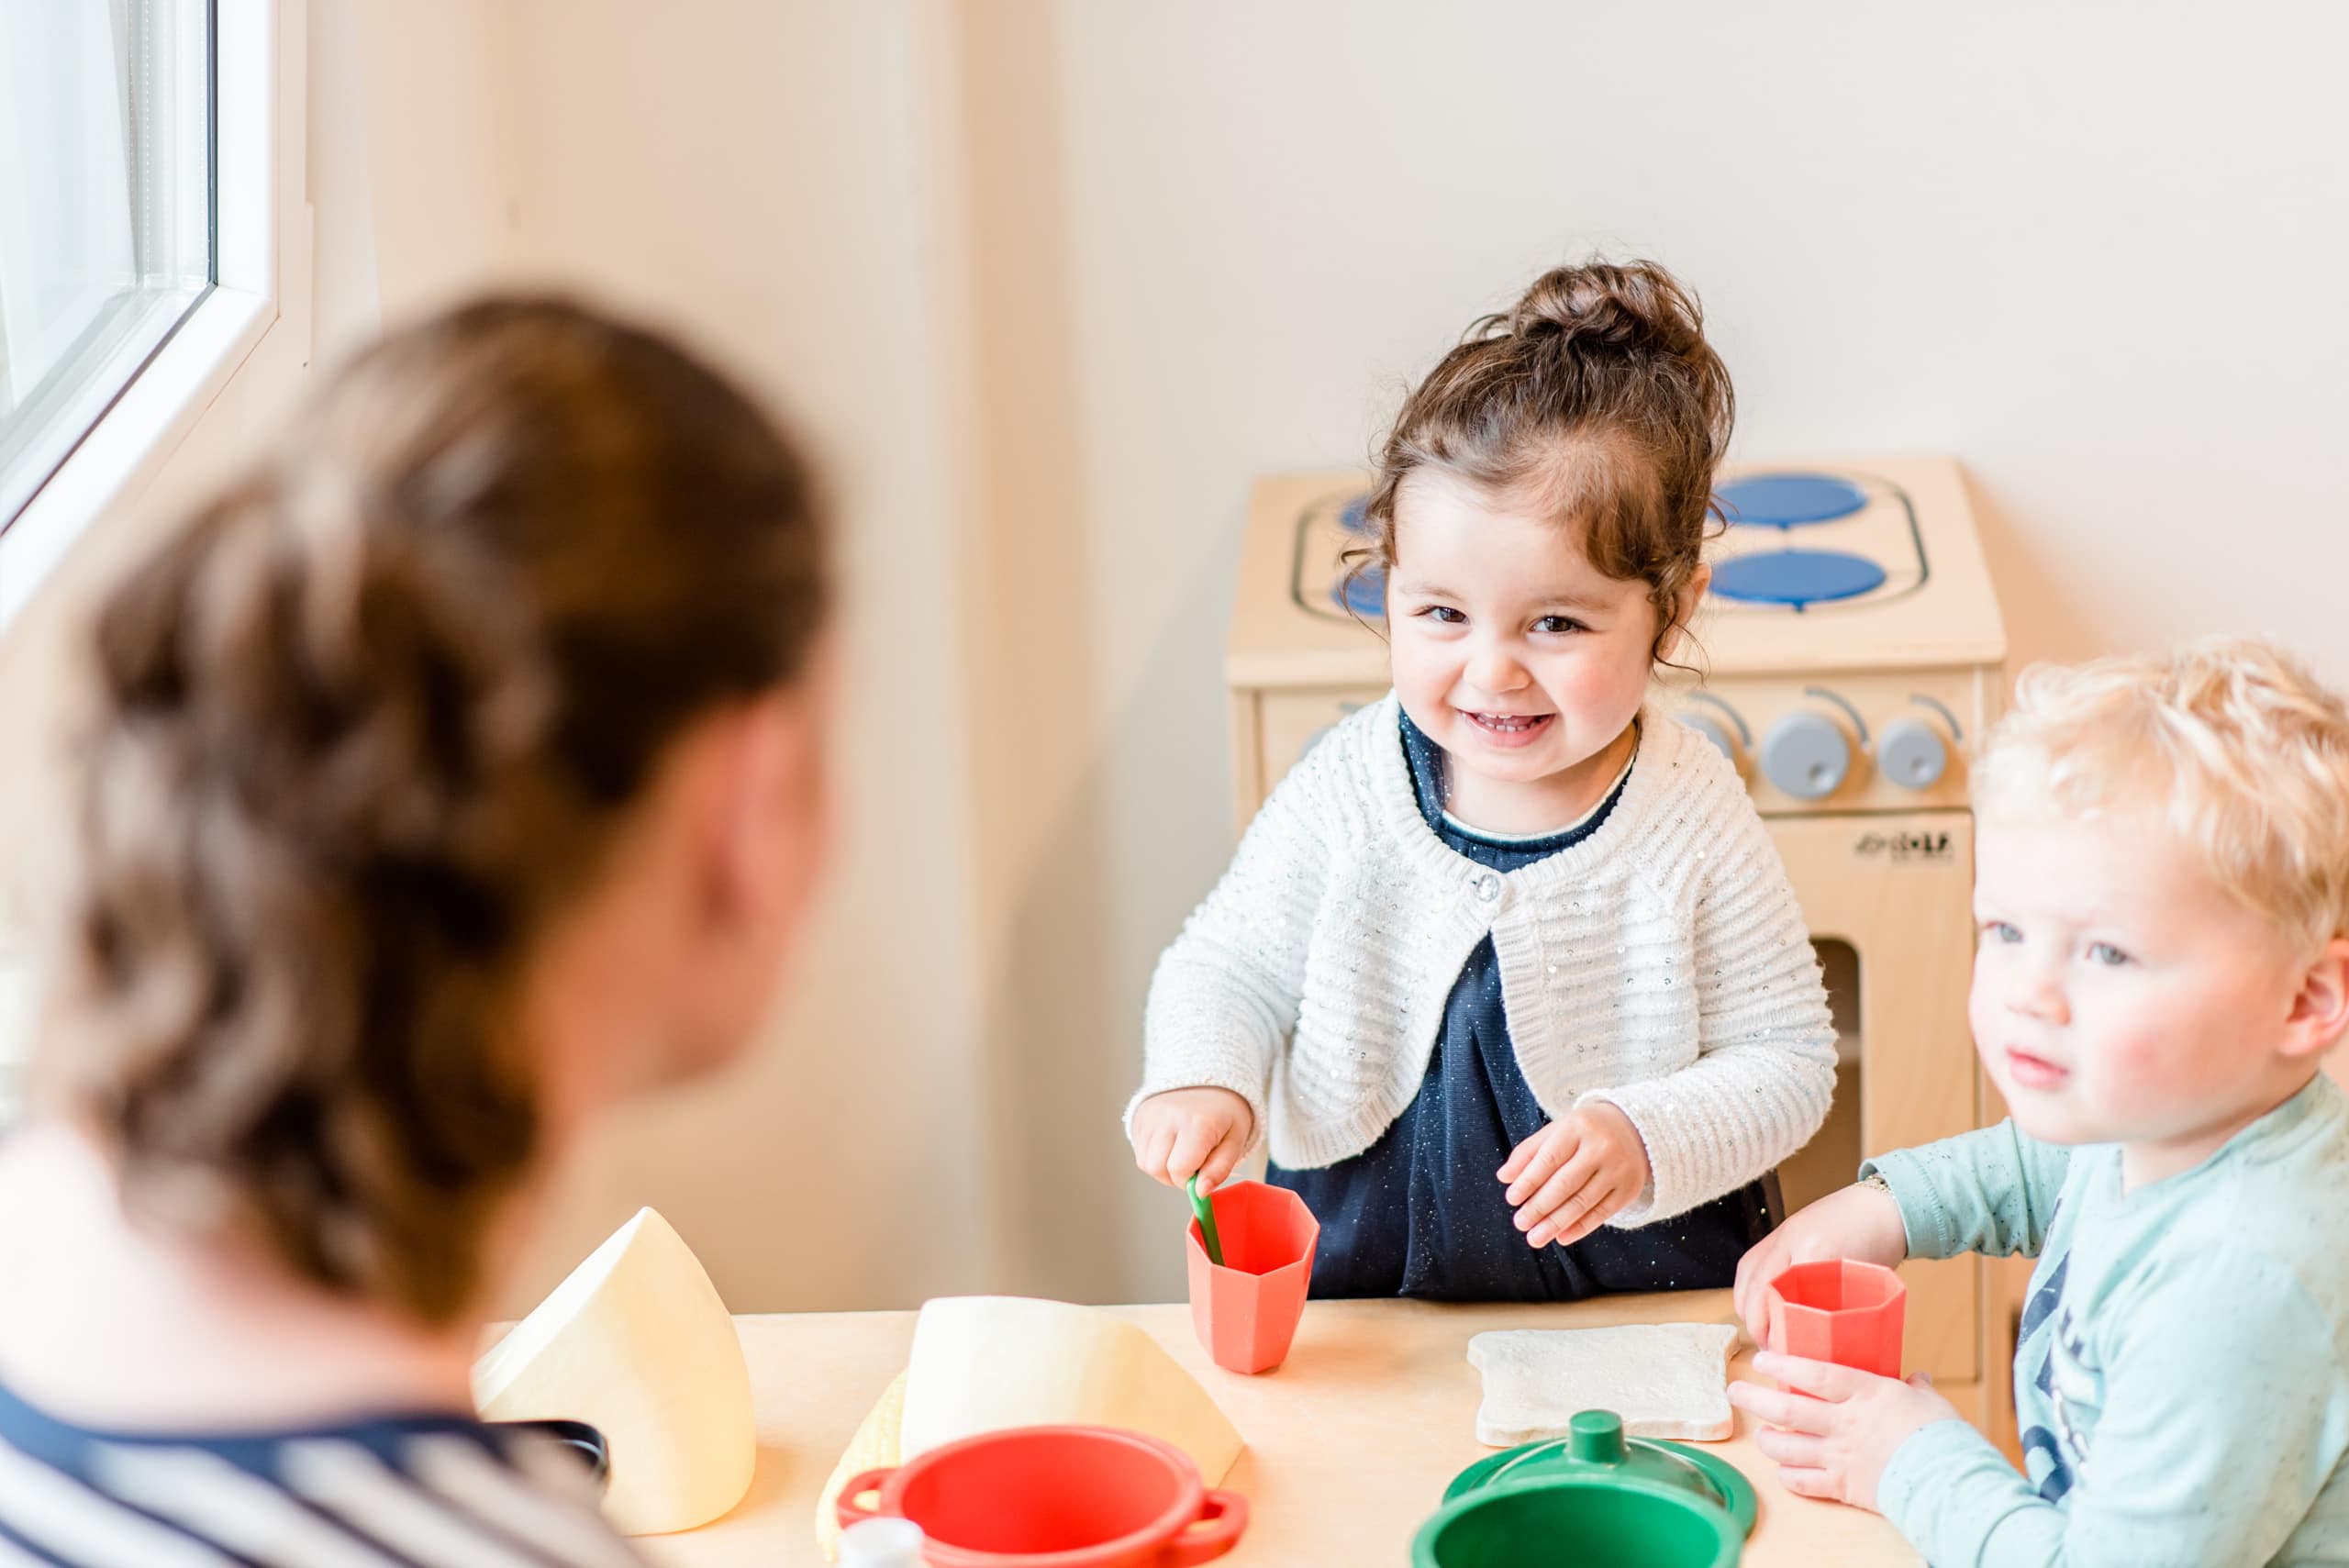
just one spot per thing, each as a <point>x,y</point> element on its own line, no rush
<point>125,447</point>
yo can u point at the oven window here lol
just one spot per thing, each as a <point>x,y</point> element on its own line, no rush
<point>1833,1157</point>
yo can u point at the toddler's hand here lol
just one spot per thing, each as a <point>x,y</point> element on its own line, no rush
<point>1832,1429</point>
<point>1184,1131</point>
<point>1569,1178</point>
<point>1856,1222</point>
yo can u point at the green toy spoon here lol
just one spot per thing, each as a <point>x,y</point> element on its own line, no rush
<point>1202,1205</point>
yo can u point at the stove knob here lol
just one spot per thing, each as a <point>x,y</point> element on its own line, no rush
<point>1714,730</point>
<point>1806,755</point>
<point>1912,752</point>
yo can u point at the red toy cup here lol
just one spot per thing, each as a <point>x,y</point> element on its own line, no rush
<point>1245,1312</point>
<point>1839,1310</point>
<point>1070,1496</point>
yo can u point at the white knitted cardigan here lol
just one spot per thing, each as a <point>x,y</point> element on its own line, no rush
<point>1660,964</point>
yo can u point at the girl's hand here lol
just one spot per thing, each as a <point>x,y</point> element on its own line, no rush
<point>1184,1131</point>
<point>1856,1222</point>
<point>1832,1429</point>
<point>1569,1178</point>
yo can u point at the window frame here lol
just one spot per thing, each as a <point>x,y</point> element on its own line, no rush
<point>261,268</point>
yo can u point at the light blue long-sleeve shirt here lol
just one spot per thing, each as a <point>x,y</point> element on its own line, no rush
<point>2180,1380</point>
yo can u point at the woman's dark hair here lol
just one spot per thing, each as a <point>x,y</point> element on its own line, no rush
<point>1595,393</point>
<point>362,727</point>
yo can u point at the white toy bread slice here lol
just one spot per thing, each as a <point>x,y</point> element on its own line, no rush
<point>1666,1380</point>
<point>875,1446</point>
<point>984,1362</point>
<point>637,1343</point>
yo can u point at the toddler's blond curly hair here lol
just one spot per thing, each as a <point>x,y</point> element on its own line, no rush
<point>2231,739</point>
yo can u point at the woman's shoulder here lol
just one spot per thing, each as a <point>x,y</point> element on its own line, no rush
<point>352,1490</point>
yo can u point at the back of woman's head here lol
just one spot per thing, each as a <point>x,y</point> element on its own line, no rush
<point>362,727</point>
<point>1597,398</point>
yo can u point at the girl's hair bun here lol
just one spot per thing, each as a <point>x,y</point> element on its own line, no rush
<point>1596,397</point>
<point>1636,306</point>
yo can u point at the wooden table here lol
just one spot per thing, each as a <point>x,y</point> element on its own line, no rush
<point>1350,1444</point>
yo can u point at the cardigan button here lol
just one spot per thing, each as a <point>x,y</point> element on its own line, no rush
<point>1487,886</point>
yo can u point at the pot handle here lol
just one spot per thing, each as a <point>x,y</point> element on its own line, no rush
<point>1224,1516</point>
<point>852,1511</point>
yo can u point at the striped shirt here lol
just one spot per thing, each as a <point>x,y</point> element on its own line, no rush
<point>404,1492</point>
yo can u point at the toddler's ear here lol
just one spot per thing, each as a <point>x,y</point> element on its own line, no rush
<point>1690,597</point>
<point>2321,1010</point>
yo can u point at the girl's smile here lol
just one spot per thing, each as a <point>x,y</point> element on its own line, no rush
<point>1509,730</point>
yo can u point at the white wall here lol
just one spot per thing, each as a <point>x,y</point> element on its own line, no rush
<point>1050,280</point>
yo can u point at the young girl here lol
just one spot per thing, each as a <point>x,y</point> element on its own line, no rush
<point>452,779</point>
<point>1504,961</point>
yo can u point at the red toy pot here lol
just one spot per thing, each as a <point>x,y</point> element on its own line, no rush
<point>1055,1497</point>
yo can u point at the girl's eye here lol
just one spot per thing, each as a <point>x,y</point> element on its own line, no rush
<point>1999,932</point>
<point>1559,624</point>
<point>2107,954</point>
<point>1443,614</point>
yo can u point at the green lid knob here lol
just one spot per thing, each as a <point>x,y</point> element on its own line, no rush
<point>1595,1437</point>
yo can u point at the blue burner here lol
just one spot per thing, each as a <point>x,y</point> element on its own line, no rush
<point>1789,500</point>
<point>1365,596</point>
<point>1797,577</point>
<point>1351,517</point>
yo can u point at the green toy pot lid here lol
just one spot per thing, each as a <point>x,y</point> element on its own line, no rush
<point>1596,1448</point>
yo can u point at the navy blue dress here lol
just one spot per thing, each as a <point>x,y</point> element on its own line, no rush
<point>1420,1212</point>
